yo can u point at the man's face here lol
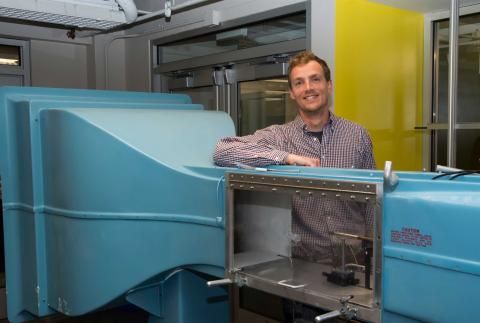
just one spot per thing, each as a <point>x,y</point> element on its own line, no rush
<point>309,88</point>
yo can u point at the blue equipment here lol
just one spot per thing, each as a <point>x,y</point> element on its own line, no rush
<point>112,196</point>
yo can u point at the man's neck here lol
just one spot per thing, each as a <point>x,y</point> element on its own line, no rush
<point>315,121</point>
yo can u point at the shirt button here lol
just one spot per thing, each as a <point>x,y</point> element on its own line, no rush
<point>314,139</point>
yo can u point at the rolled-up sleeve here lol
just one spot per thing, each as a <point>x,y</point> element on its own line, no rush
<point>259,149</point>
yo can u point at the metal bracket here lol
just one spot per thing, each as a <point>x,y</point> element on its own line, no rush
<point>168,8</point>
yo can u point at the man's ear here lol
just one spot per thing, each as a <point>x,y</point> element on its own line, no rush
<point>291,94</point>
<point>329,87</point>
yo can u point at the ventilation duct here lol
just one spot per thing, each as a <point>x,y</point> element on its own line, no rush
<point>83,14</point>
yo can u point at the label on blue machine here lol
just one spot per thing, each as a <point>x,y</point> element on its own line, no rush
<point>411,237</point>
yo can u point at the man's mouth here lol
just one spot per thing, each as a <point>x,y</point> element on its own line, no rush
<point>310,97</point>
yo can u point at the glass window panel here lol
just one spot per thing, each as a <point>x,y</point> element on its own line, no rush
<point>258,34</point>
<point>468,148</point>
<point>263,103</point>
<point>10,55</point>
<point>468,101</point>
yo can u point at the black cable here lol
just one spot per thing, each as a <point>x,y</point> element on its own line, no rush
<point>456,174</point>
<point>464,173</point>
<point>441,175</point>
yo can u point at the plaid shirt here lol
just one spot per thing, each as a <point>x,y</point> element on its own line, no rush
<point>344,144</point>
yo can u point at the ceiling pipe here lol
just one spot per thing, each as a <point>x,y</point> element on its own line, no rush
<point>129,9</point>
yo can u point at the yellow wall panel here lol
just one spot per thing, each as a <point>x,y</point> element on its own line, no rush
<point>378,77</point>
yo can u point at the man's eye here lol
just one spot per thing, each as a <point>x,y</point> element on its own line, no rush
<point>298,83</point>
<point>316,79</point>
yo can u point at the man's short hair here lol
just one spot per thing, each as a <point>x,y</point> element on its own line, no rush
<point>306,57</point>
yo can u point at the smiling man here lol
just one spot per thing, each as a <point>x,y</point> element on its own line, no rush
<point>315,138</point>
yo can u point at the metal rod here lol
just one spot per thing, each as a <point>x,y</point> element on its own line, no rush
<point>219,282</point>
<point>452,83</point>
<point>352,236</point>
<point>344,245</point>
<point>327,316</point>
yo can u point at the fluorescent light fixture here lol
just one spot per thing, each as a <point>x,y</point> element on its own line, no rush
<point>93,14</point>
<point>275,92</point>
<point>9,61</point>
<point>277,81</point>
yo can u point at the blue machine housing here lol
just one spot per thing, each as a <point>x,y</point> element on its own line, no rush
<point>100,197</point>
<point>111,195</point>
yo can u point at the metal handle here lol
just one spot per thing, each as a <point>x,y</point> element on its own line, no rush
<point>347,312</point>
<point>228,98</point>
<point>327,316</point>
<point>219,282</point>
<point>229,79</point>
<point>217,98</point>
<point>284,283</point>
<point>217,79</point>
<point>389,177</point>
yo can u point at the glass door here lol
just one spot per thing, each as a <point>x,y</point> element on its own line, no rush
<point>263,103</point>
<point>468,100</point>
<point>262,94</point>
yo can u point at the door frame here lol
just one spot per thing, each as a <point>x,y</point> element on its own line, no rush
<point>428,87</point>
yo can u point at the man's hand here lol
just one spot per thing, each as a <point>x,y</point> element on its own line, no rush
<point>302,161</point>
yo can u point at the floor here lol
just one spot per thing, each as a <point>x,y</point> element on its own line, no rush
<point>127,314</point>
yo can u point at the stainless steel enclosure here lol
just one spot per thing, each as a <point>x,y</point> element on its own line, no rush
<point>260,242</point>
<point>249,92</point>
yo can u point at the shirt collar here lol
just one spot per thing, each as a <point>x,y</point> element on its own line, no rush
<point>332,121</point>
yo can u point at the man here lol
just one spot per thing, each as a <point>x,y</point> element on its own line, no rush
<point>316,138</point>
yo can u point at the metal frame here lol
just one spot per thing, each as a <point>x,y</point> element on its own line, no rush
<point>452,84</point>
<point>240,55</point>
<point>236,56</point>
<point>370,193</point>
<point>22,70</point>
<point>290,9</point>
